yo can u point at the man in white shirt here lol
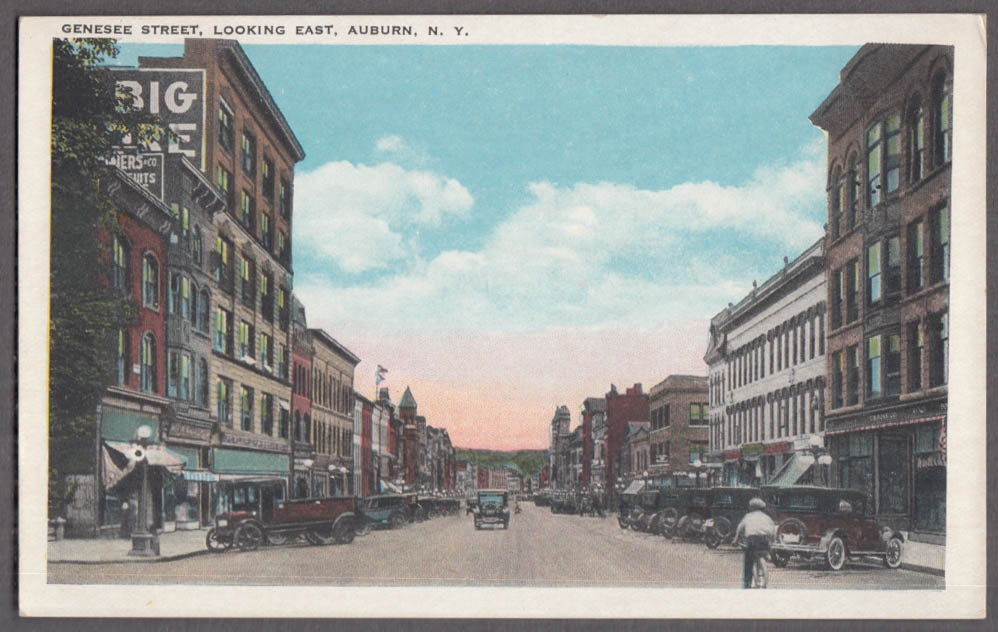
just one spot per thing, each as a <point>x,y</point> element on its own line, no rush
<point>756,530</point>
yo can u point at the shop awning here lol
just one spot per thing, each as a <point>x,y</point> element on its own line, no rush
<point>790,472</point>
<point>635,487</point>
<point>156,455</point>
<point>386,486</point>
<point>880,426</point>
<point>200,475</point>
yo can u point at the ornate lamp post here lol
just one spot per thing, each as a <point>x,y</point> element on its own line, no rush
<point>699,472</point>
<point>144,543</point>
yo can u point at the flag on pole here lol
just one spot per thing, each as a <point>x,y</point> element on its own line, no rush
<point>379,374</point>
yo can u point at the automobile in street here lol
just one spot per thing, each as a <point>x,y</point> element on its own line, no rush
<point>830,525</point>
<point>492,508</point>
<point>254,512</point>
<point>727,508</point>
<point>385,510</point>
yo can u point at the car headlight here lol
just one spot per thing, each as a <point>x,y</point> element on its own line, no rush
<point>221,522</point>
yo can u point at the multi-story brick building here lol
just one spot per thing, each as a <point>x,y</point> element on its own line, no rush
<point>677,431</point>
<point>634,452</point>
<point>558,434</point>
<point>890,139</point>
<point>249,153</point>
<point>594,419</point>
<point>332,414</point>
<point>302,351</point>
<point>621,408</point>
<point>766,362</point>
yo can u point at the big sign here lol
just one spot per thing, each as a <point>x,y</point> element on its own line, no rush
<point>176,98</point>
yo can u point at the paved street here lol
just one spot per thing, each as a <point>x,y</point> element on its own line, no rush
<point>540,548</point>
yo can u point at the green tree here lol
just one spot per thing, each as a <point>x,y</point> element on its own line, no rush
<point>85,314</point>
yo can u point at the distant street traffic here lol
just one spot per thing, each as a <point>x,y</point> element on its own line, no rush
<point>539,548</point>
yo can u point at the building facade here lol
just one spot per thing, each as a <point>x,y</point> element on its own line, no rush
<point>766,362</point>
<point>558,449</point>
<point>621,408</point>
<point>332,415</point>
<point>594,417</point>
<point>677,430</point>
<point>890,137</point>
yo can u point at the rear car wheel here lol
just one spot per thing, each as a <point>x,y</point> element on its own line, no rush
<point>892,559</point>
<point>396,521</point>
<point>363,527</point>
<point>670,517</point>
<point>248,537</point>
<point>214,544</point>
<point>835,556</point>
<point>343,532</point>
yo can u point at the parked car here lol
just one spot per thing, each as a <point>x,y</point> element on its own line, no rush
<point>727,508</point>
<point>629,511</point>
<point>832,525</point>
<point>492,508</point>
<point>693,510</point>
<point>384,510</point>
<point>665,510</point>
<point>256,512</point>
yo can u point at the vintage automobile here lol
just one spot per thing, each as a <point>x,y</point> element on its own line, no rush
<point>564,503</point>
<point>438,506</point>
<point>686,510</point>
<point>542,499</point>
<point>727,508</point>
<point>492,508</point>
<point>385,510</point>
<point>832,525</point>
<point>470,507</point>
<point>256,511</point>
<point>630,512</point>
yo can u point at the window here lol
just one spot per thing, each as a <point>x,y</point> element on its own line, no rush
<point>883,153</point>
<point>223,397</point>
<point>223,180</point>
<point>267,413</point>
<point>915,344</point>
<point>852,376</point>
<point>698,414</point>
<point>266,232</point>
<point>939,350</point>
<point>266,298</point>
<point>246,270</point>
<point>892,366</point>
<point>204,307</point>
<point>281,370</point>
<point>892,271</point>
<point>873,367</point>
<point>150,282</point>
<point>854,455</point>
<point>838,296</point>
<point>853,189</point>
<point>245,335</point>
<point>282,247</point>
<point>119,263</point>
<point>147,375</point>
<point>179,376</point>
<point>223,330</point>
<point>225,133</point>
<point>285,202</point>
<point>185,298</point>
<point>940,245</point>
<point>185,221</point>
<point>121,363</point>
<point>298,434</point>
<point>916,142</point>
<point>220,263</point>
<point>916,256</point>
<point>837,371</point>
<point>852,290</point>
<point>197,247</point>
<point>943,118</point>
<point>812,325</point>
<point>201,395</point>
<point>248,154</point>
<point>173,300</point>
<point>247,211</point>
<point>838,204</point>
<point>264,351</point>
<point>285,422</point>
<point>666,419</point>
<point>282,306</point>
<point>268,178</point>
<point>246,408</point>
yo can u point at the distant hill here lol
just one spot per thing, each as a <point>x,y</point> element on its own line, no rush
<point>529,462</point>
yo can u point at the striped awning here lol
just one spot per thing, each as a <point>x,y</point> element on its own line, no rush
<point>890,424</point>
<point>201,476</point>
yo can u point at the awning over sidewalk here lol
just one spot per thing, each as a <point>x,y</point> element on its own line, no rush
<point>386,486</point>
<point>790,472</point>
<point>120,459</point>
<point>635,487</point>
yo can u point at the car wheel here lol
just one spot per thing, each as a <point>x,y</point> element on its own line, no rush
<point>248,537</point>
<point>214,544</point>
<point>621,522</point>
<point>711,538</point>
<point>276,539</point>
<point>396,521</point>
<point>670,517</point>
<point>780,559</point>
<point>363,527</point>
<point>791,531</point>
<point>343,532</point>
<point>892,559</point>
<point>835,556</point>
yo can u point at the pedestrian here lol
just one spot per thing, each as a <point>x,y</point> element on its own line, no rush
<point>755,532</point>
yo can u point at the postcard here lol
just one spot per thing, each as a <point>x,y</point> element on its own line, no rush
<point>502,316</point>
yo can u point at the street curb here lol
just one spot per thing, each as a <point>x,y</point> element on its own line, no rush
<point>133,560</point>
<point>918,568</point>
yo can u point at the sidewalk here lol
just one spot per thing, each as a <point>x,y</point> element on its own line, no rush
<point>172,546</point>
<point>924,557</point>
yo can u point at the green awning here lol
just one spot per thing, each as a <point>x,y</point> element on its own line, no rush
<point>226,461</point>
<point>790,472</point>
<point>189,456</point>
<point>120,425</point>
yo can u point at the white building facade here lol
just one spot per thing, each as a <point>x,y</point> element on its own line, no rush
<point>767,365</point>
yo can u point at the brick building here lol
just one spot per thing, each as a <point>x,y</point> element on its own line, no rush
<point>677,431</point>
<point>302,351</point>
<point>890,138</point>
<point>621,408</point>
<point>332,415</point>
<point>594,434</point>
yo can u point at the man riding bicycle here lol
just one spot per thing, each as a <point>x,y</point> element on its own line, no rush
<point>755,531</point>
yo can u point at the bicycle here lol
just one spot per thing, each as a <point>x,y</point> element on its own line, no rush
<point>760,576</point>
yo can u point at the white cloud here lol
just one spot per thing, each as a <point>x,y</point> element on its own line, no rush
<point>366,217</point>
<point>587,255</point>
<point>397,149</point>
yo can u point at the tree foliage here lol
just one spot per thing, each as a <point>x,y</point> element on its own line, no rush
<point>85,313</point>
<point>528,462</point>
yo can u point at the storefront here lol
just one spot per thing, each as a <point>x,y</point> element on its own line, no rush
<point>234,463</point>
<point>901,462</point>
<point>187,501</point>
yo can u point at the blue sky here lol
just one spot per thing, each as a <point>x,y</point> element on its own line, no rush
<point>527,198</point>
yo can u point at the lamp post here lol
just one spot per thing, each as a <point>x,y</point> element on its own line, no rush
<point>698,472</point>
<point>144,543</point>
<point>817,452</point>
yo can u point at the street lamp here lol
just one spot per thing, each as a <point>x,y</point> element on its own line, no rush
<point>144,543</point>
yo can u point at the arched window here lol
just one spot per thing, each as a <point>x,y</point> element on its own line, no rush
<point>197,247</point>
<point>119,261</point>
<point>942,114</point>
<point>916,141</point>
<point>148,364</point>
<point>852,188</point>
<point>838,203</point>
<point>203,309</point>
<point>150,281</point>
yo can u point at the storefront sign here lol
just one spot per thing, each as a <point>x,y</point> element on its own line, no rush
<point>776,448</point>
<point>176,98</point>
<point>248,462</point>
<point>145,169</point>
<point>751,449</point>
<point>182,430</point>
<point>731,455</point>
<point>257,443</point>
